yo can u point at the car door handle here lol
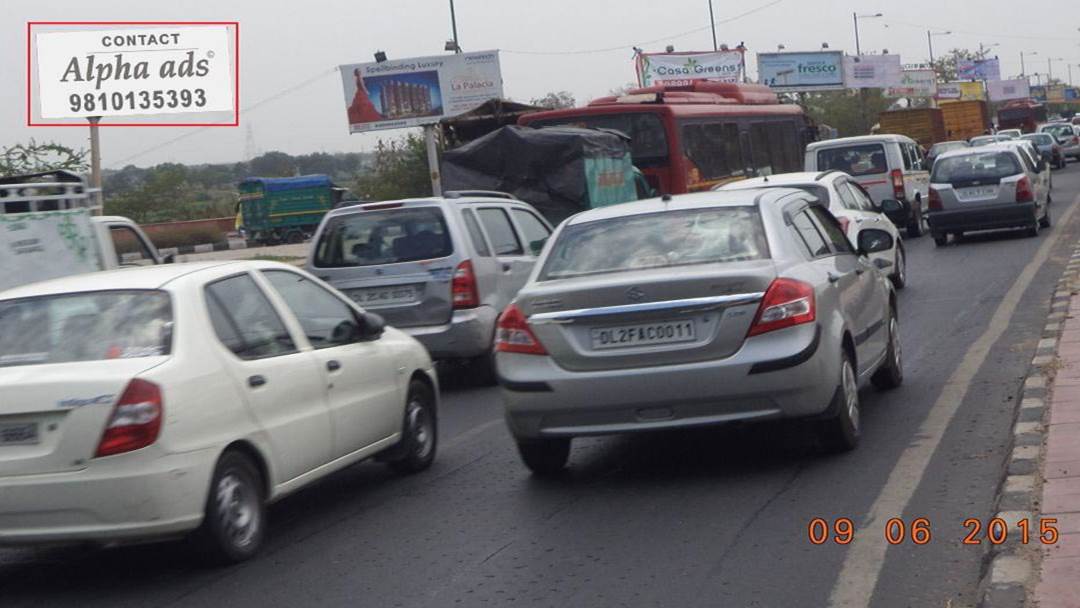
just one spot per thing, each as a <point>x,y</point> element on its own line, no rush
<point>506,267</point>
<point>833,278</point>
<point>256,381</point>
<point>333,365</point>
<point>860,270</point>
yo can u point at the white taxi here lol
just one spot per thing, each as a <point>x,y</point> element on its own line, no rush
<point>179,400</point>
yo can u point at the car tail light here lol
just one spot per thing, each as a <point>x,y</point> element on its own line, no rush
<point>844,223</point>
<point>463,291</point>
<point>787,302</point>
<point>897,177</point>
<point>512,334</point>
<point>935,200</point>
<point>1024,193</point>
<point>135,421</point>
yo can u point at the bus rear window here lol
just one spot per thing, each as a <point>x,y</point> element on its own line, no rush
<point>648,141</point>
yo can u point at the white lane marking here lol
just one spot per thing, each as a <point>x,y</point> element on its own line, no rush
<point>471,433</point>
<point>865,557</point>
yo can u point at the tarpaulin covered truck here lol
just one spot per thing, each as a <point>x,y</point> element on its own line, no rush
<point>965,119</point>
<point>48,230</point>
<point>273,210</point>
<point>559,170</point>
<point>924,125</point>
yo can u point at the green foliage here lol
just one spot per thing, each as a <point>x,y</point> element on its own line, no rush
<point>399,170</point>
<point>555,100</point>
<point>36,157</point>
<point>850,112</point>
<point>945,66</point>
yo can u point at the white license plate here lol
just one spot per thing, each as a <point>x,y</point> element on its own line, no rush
<point>19,434</point>
<point>646,334</point>
<point>976,192</point>
<point>385,296</point>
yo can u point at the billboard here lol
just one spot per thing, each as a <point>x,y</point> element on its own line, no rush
<point>684,68</point>
<point>1038,93</point>
<point>963,91</point>
<point>418,91</point>
<point>789,72</point>
<point>1055,93</point>
<point>978,69</point>
<point>914,83</point>
<point>145,70</point>
<point>871,71</point>
<point>1003,90</point>
<point>1072,95</point>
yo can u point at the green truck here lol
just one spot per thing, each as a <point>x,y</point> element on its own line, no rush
<point>273,210</point>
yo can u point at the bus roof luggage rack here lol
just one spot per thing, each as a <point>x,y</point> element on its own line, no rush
<point>480,193</point>
<point>45,191</point>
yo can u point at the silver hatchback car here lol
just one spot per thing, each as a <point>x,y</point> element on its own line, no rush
<point>439,269</point>
<point>696,310</point>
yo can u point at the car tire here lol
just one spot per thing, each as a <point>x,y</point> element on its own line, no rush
<point>941,240</point>
<point>419,432</point>
<point>840,432</point>
<point>915,225</point>
<point>234,522</point>
<point>1033,227</point>
<point>891,373</point>
<point>545,457</point>
<point>294,237</point>
<point>899,277</point>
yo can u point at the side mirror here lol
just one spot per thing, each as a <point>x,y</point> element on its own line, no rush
<point>169,259</point>
<point>872,240</point>
<point>372,326</point>
<point>344,333</point>
<point>890,205</point>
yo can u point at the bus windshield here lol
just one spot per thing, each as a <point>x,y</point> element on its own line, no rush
<point>648,142</point>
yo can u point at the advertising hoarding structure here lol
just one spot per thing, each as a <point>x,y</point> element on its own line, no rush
<point>872,71</point>
<point>978,69</point>
<point>963,91</point>
<point>684,68</point>
<point>914,83</point>
<point>800,72</point>
<point>1004,90</point>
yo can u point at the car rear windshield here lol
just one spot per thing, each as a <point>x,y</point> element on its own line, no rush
<point>386,236</point>
<point>938,149</point>
<point>90,326</point>
<point>975,166</point>
<point>1059,130</point>
<point>866,159</point>
<point>657,240</point>
<point>1040,139</point>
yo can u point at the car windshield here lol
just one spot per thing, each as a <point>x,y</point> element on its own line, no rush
<point>1040,139</point>
<point>657,240</point>
<point>1059,131</point>
<point>938,149</point>
<point>975,166</point>
<point>982,140</point>
<point>866,159</point>
<point>387,236</point>
<point>88,326</point>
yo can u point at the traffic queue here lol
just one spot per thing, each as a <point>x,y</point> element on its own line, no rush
<point>171,401</point>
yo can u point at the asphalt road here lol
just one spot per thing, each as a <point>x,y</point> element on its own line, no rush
<point>680,519</point>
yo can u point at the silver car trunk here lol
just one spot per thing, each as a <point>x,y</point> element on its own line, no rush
<point>408,294</point>
<point>657,316</point>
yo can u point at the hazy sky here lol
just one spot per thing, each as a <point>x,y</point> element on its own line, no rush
<point>286,43</point>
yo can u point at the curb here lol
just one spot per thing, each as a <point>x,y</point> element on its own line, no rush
<point>1013,568</point>
<point>206,248</point>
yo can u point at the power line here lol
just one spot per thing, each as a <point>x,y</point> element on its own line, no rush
<point>260,103</point>
<point>971,33</point>
<point>623,47</point>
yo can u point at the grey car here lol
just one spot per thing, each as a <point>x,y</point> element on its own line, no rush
<point>989,187</point>
<point>1049,148</point>
<point>441,269</point>
<point>696,310</point>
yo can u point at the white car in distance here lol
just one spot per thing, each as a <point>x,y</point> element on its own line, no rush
<point>167,401</point>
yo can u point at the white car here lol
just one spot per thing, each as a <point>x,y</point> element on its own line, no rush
<point>850,203</point>
<point>158,402</point>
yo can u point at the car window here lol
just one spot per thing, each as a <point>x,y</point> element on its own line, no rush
<point>988,164</point>
<point>865,202</point>
<point>847,200</point>
<point>503,237</point>
<point>533,230</point>
<point>326,319</point>
<point>244,320</point>
<point>831,230</point>
<point>475,234</point>
<point>1029,162</point>
<point>811,236</point>
<point>909,158</point>
<point>130,249</point>
<point>864,159</point>
<point>387,236</point>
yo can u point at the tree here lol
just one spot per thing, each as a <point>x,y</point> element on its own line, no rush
<point>623,90</point>
<point>945,66</point>
<point>273,164</point>
<point>399,170</point>
<point>36,157</point>
<point>850,112</point>
<point>555,100</point>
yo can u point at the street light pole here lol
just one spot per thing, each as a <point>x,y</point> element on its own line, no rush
<point>712,22</point>
<point>453,24</point>
<point>855,16</point>
<point>1023,70</point>
<point>930,42</point>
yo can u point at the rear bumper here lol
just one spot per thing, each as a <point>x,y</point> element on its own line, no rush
<point>468,334</point>
<point>771,376</point>
<point>129,497</point>
<point>982,217</point>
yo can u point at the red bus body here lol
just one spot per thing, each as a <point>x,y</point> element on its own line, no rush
<point>694,137</point>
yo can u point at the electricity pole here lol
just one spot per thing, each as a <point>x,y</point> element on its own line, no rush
<point>712,22</point>
<point>95,163</point>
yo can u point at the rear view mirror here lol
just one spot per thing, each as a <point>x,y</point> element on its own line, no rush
<point>372,326</point>
<point>872,240</point>
<point>890,205</point>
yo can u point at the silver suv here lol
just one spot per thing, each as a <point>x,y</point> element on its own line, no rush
<point>440,268</point>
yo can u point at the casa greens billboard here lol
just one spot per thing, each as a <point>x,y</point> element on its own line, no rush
<point>793,72</point>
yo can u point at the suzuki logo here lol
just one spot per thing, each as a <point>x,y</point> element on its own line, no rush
<point>635,294</point>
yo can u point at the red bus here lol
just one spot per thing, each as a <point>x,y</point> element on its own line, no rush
<point>693,137</point>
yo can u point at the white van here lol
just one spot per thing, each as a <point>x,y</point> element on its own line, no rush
<point>887,166</point>
<point>48,230</point>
